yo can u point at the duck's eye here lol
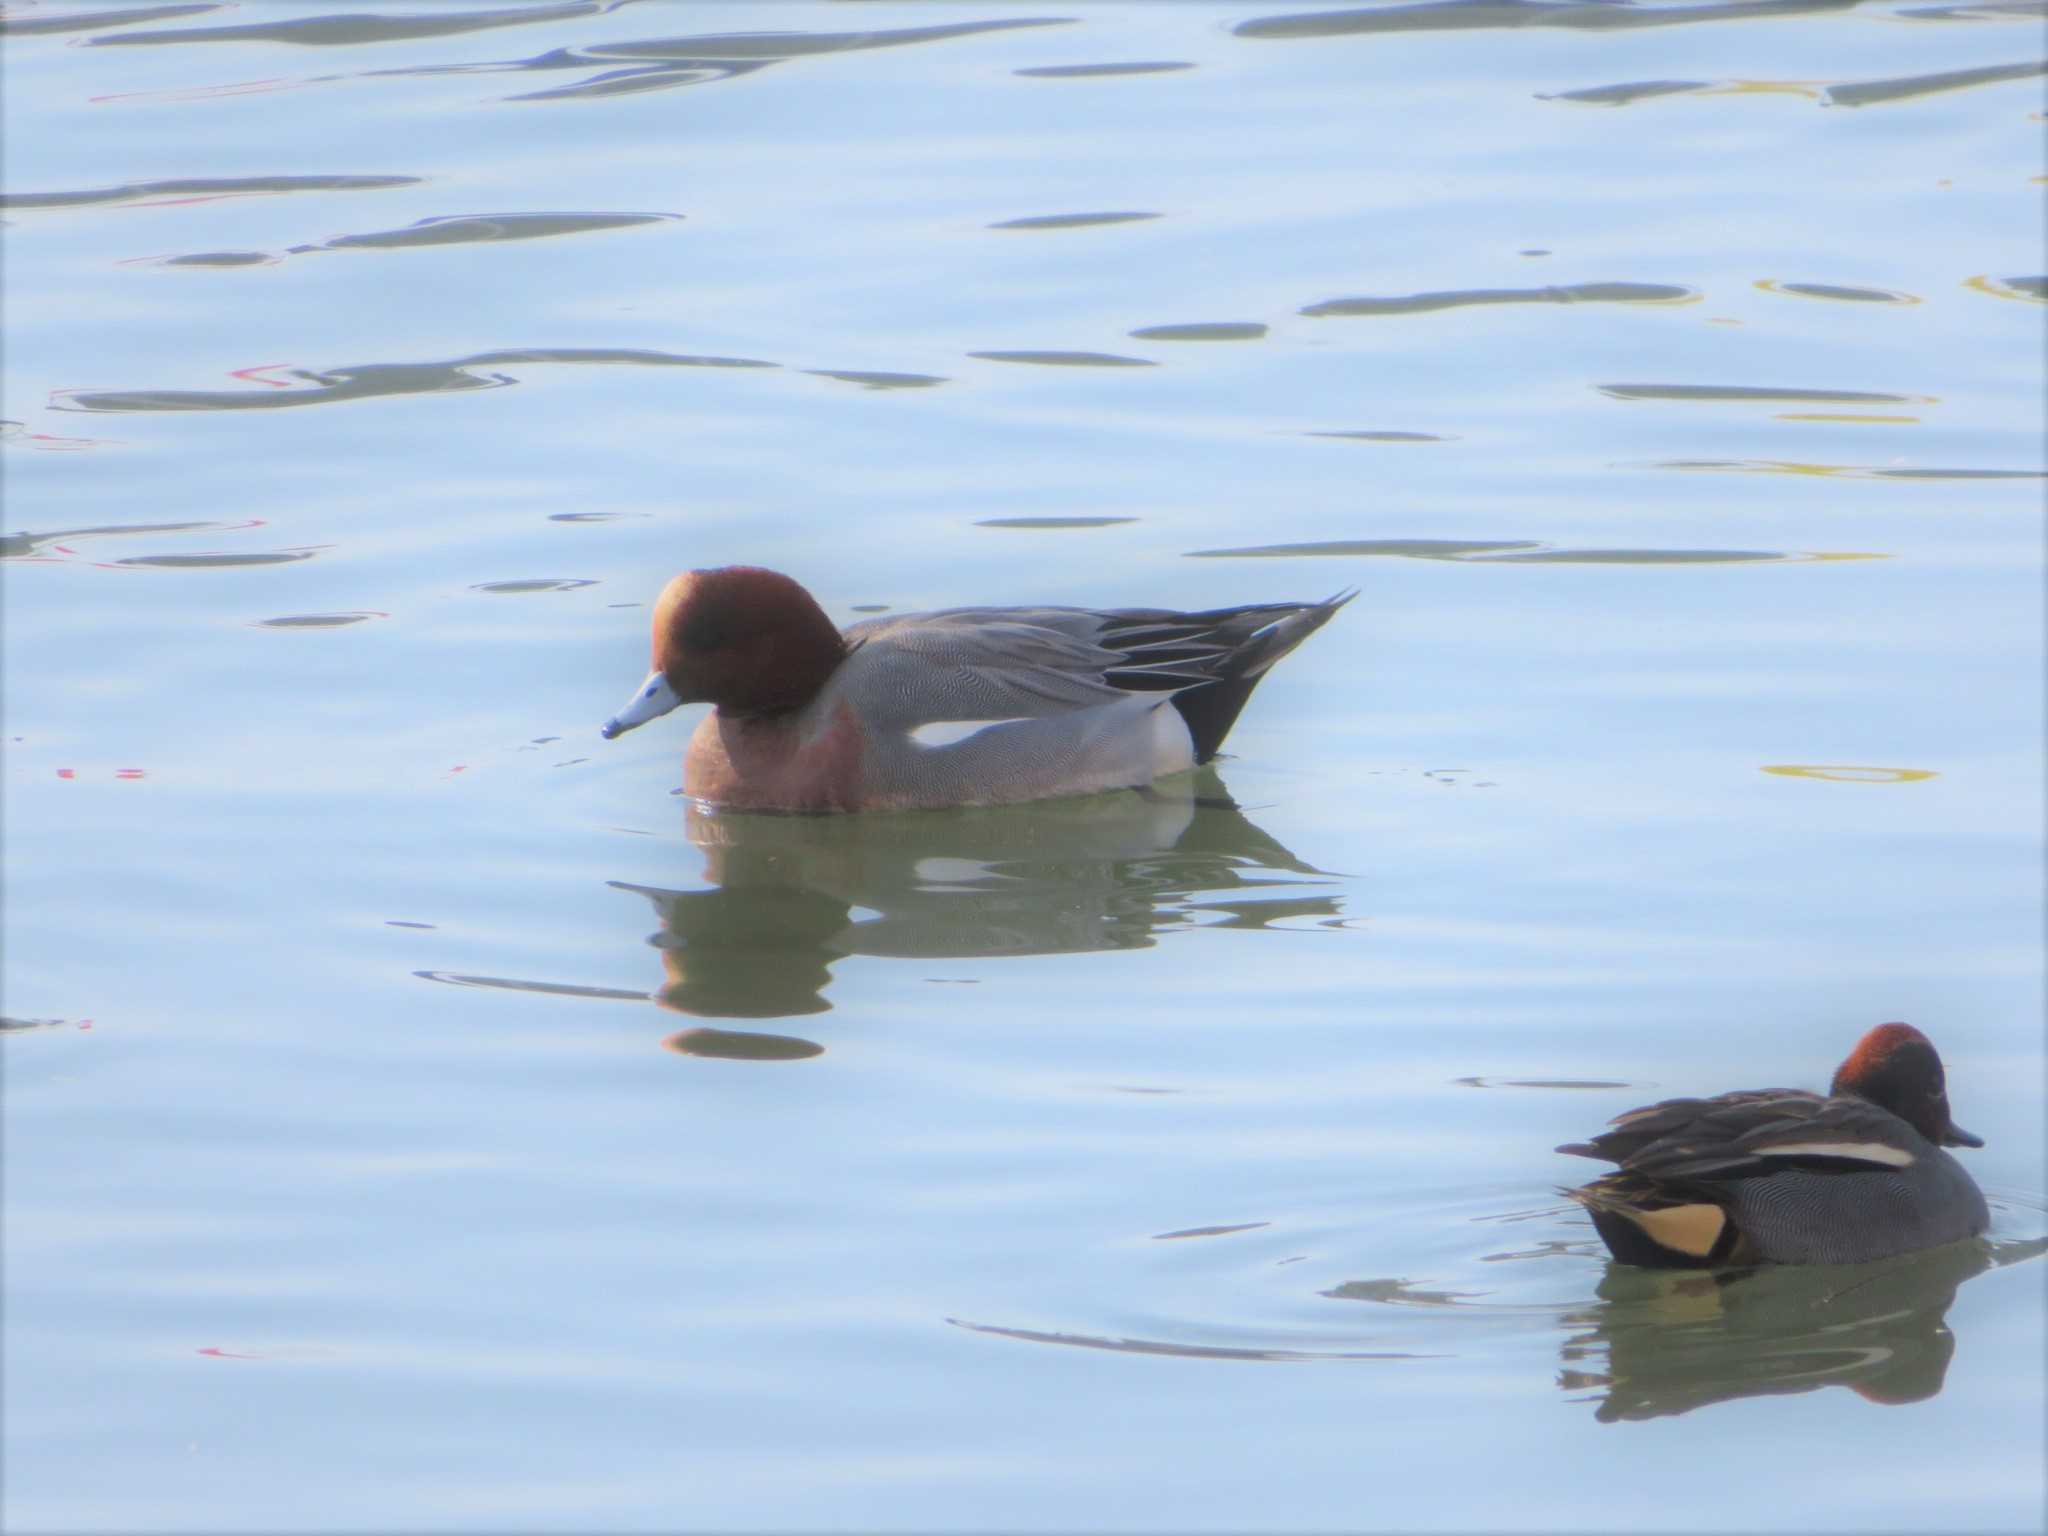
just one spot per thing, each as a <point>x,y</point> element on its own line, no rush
<point>709,630</point>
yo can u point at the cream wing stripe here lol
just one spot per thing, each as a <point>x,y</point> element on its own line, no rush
<point>1856,1151</point>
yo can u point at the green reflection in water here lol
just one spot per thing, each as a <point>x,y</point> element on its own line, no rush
<point>786,897</point>
<point>741,1045</point>
<point>1661,1343</point>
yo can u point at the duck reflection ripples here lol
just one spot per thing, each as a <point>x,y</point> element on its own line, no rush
<point>788,896</point>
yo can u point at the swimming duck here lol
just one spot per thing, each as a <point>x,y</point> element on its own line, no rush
<point>966,706</point>
<point>1777,1175</point>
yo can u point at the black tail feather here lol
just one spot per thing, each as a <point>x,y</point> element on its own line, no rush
<point>1212,709</point>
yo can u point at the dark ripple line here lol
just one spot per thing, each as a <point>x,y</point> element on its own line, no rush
<point>1569,293</point>
<point>203,186</point>
<point>1185,1351</point>
<point>374,380</point>
<point>92,21</point>
<point>1460,15</point>
<point>544,988</point>
<point>353,31</point>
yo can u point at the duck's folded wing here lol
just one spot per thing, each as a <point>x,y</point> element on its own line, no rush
<point>1028,663</point>
<point>1845,1130</point>
<point>972,664</point>
<point>1638,1129</point>
<point>1743,1135</point>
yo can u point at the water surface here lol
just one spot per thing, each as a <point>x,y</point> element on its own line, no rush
<point>418,1117</point>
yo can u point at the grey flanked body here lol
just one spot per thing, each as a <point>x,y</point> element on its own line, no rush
<point>962,707</point>
<point>1027,701</point>
<point>1797,1217</point>
<point>1779,1175</point>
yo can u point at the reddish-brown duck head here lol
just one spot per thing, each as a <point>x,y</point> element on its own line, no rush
<point>1895,1067</point>
<point>750,641</point>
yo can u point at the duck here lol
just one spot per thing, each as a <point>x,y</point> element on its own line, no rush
<point>959,707</point>
<point>1783,1176</point>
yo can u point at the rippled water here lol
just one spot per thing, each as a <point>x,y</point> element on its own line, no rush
<point>419,1118</point>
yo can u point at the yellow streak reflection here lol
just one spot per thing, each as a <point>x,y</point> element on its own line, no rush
<point>1811,89</point>
<point>1984,283</point>
<point>1843,773</point>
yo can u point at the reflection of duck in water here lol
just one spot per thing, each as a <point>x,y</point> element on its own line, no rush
<point>1662,1342</point>
<point>965,707</point>
<point>791,895</point>
<point>1779,1175</point>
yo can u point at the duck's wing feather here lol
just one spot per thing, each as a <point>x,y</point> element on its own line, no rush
<point>973,664</point>
<point>1745,1135</point>
<point>1002,663</point>
<point>1167,650</point>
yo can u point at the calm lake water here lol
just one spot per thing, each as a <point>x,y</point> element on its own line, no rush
<point>419,1117</point>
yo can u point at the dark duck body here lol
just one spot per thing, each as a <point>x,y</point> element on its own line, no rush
<point>1779,1175</point>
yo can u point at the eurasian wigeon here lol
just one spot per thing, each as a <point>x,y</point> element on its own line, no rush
<point>1777,1175</point>
<point>967,706</point>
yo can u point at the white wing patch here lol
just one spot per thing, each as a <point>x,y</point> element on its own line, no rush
<point>948,733</point>
<point>1855,1151</point>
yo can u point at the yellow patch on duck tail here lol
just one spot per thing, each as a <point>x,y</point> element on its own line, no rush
<point>1852,1151</point>
<point>1687,1229</point>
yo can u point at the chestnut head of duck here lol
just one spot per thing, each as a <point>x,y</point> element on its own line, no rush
<point>748,640</point>
<point>1895,1067</point>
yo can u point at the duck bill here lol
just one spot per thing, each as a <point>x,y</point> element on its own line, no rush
<point>1956,1136</point>
<point>655,698</point>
